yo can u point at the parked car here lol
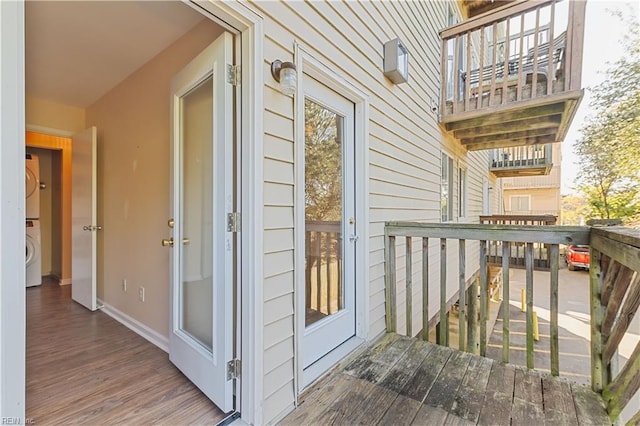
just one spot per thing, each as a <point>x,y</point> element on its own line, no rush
<point>577,256</point>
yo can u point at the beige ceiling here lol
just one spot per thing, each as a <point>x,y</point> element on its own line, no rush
<point>77,50</point>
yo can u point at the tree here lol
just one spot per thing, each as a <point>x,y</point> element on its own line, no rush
<point>609,147</point>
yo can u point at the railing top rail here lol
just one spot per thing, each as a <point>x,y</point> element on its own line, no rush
<point>547,234</point>
<point>527,217</point>
<point>492,16</point>
<point>621,234</point>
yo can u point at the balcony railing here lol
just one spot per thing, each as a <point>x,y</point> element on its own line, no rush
<point>511,77</point>
<point>531,160</point>
<point>615,291</point>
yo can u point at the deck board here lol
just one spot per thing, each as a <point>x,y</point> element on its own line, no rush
<point>404,381</point>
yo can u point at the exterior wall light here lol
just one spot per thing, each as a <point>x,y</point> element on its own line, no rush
<point>396,61</point>
<point>285,74</point>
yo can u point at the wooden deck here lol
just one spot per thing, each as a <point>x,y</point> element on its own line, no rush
<point>86,368</point>
<point>401,380</point>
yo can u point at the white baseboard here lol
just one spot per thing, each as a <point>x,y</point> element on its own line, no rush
<point>136,326</point>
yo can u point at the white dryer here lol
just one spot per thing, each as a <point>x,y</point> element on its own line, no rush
<point>33,257</point>
<point>32,186</point>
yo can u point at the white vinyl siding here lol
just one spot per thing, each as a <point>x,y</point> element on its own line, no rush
<point>446,188</point>
<point>405,141</point>
<point>462,192</point>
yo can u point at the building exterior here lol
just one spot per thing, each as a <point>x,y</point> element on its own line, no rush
<point>264,244</point>
<point>535,195</point>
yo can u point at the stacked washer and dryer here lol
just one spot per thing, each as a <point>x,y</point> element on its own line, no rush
<point>33,249</point>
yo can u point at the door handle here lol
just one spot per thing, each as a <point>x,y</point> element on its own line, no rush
<point>167,242</point>
<point>185,241</point>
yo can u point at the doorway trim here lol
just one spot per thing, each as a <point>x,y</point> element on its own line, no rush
<point>307,61</point>
<point>12,196</point>
<point>244,21</point>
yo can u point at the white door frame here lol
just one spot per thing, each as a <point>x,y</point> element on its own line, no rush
<point>310,63</point>
<point>12,239</point>
<point>239,17</point>
<point>12,211</point>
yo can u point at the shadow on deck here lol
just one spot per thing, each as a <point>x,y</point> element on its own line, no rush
<point>401,380</point>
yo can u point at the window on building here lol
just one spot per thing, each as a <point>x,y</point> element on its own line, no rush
<point>462,192</point>
<point>446,185</point>
<point>520,203</point>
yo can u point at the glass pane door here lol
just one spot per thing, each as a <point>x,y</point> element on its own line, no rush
<point>196,296</point>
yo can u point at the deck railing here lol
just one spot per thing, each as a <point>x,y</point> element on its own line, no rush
<point>615,290</point>
<point>521,51</point>
<point>615,297</point>
<point>521,157</point>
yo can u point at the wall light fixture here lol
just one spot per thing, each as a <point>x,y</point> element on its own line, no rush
<point>285,74</point>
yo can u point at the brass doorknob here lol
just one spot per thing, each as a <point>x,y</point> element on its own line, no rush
<point>185,241</point>
<point>171,223</point>
<point>167,242</point>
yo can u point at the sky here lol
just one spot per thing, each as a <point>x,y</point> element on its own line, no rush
<point>602,44</point>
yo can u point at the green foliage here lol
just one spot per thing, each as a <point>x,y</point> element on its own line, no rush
<point>574,210</point>
<point>609,148</point>
<point>323,164</point>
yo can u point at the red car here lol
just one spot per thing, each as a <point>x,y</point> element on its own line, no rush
<point>577,256</point>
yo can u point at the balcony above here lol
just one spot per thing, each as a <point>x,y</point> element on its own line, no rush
<point>512,76</point>
<point>531,160</point>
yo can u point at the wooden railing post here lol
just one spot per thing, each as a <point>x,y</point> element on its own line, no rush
<point>483,297</point>
<point>529,314</point>
<point>408,285</point>
<point>425,289</point>
<point>462,290</point>
<point>443,327</point>
<point>390,281</point>
<point>472,334</point>
<point>553,301</point>
<point>597,369</point>
<point>505,301</point>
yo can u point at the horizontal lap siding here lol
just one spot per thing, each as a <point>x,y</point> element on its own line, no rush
<point>404,138</point>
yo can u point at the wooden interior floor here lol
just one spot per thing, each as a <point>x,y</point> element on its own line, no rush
<point>404,381</point>
<point>86,368</point>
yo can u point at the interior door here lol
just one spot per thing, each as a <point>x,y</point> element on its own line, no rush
<point>330,240</point>
<point>84,218</point>
<point>202,250</point>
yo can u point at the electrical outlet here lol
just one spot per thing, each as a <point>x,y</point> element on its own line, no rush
<point>141,294</point>
<point>124,285</point>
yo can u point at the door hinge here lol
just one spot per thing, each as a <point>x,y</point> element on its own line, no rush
<point>233,369</point>
<point>233,74</point>
<point>233,222</point>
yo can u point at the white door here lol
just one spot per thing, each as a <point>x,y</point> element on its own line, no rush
<point>202,252</point>
<point>83,218</point>
<point>330,240</point>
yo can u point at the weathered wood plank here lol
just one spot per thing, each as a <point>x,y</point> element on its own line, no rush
<point>374,407</point>
<point>472,335</point>
<point>620,286</point>
<point>597,368</point>
<point>610,270</point>
<point>346,404</point>
<point>626,254</point>
<point>546,234</point>
<point>390,280</point>
<point>401,412</point>
<point>453,420</point>
<point>559,407</point>
<point>628,311</point>
<point>404,370</point>
<point>527,398</point>
<point>443,327</point>
<point>425,289</point>
<point>409,285</point>
<point>529,314</point>
<point>483,297</point>
<point>431,416</point>
<point>442,393</point>
<point>553,302</point>
<point>426,374</point>
<point>313,407</point>
<point>361,363</point>
<point>590,408</point>
<point>499,395</point>
<point>380,365</point>
<point>506,248</point>
<point>468,401</point>
<point>462,292</point>
<point>618,393</point>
